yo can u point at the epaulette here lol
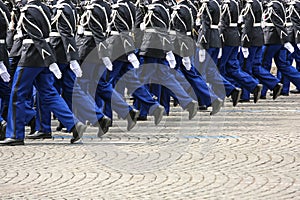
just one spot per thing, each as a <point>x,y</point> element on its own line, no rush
<point>59,6</point>
<point>114,6</point>
<point>89,7</point>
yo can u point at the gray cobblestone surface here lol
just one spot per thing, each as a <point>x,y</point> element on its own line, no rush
<point>251,151</point>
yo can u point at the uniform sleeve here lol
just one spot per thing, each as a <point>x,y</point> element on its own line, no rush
<point>66,26</point>
<point>295,17</point>
<point>99,35</point>
<point>277,17</point>
<point>247,26</point>
<point>4,17</point>
<point>36,35</point>
<point>204,31</point>
<point>224,20</point>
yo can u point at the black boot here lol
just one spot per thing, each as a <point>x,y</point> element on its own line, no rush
<point>216,106</point>
<point>158,114</point>
<point>192,108</point>
<point>60,127</point>
<point>257,92</point>
<point>103,126</point>
<point>2,129</point>
<point>132,118</point>
<point>77,131</point>
<point>31,124</point>
<point>236,96</point>
<point>277,90</point>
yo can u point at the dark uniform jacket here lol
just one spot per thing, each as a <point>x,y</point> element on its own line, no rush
<point>252,32</point>
<point>157,40</point>
<point>209,35</point>
<point>17,35</point>
<point>183,23</point>
<point>36,51</point>
<point>121,42</point>
<point>295,18</point>
<point>62,37</point>
<point>95,21</point>
<point>289,25</point>
<point>229,29</point>
<point>275,31</point>
<point>4,22</point>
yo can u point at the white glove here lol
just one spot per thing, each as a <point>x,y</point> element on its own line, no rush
<point>202,55</point>
<point>107,63</point>
<point>289,47</point>
<point>3,72</point>
<point>245,52</point>
<point>142,26</point>
<point>80,30</point>
<point>186,61</point>
<point>75,67</point>
<point>133,60</point>
<point>220,53</point>
<point>298,45</point>
<point>171,59</point>
<point>11,25</point>
<point>55,70</point>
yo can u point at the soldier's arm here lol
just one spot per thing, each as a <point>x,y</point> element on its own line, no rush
<point>279,22</point>
<point>35,33</point>
<point>66,30</point>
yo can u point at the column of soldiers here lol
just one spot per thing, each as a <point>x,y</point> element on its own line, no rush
<point>75,60</point>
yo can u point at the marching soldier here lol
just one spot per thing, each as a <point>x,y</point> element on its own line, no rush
<point>122,48</point>
<point>295,18</point>
<point>5,77</point>
<point>251,50</point>
<point>209,42</point>
<point>292,25</point>
<point>277,45</point>
<point>183,22</point>
<point>94,54</point>
<point>229,64</point>
<point>35,66</point>
<point>157,56</point>
<point>62,39</point>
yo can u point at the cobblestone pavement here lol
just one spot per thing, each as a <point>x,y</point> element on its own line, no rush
<point>247,152</point>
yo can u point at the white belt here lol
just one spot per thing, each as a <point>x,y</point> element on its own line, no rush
<point>189,33</point>
<point>2,41</point>
<point>17,36</point>
<point>30,41</point>
<point>172,32</point>
<point>269,24</point>
<point>54,34</point>
<point>289,24</point>
<point>257,25</point>
<point>233,25</point>
<point>114,33</point>
<point>88,33</point>
<point>214,26</point>
<point>150,30</point>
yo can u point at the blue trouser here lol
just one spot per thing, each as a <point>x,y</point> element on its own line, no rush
<point>230,63</point>
<point>280,55</point>
<point>203,93</point>
<point>155,90</point>
<point>253,66</point>
<point>284,80</point>
<point>157,70</point>
<point>123,75</point>
<point>42,78</point>
<point>210,73</point>
<point>4,95</point>
<point>80,103</point>
<point>112,99</point>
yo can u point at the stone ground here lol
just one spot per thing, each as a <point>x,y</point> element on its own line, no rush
<point>246,152</point>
